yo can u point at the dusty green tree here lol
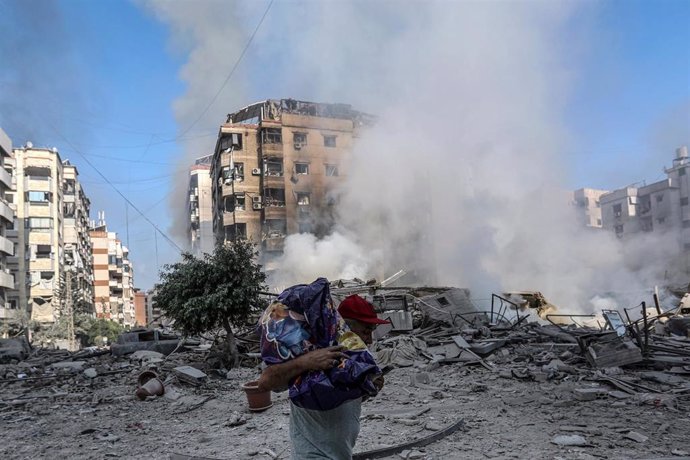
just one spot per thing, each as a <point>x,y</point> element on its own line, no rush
<point>220,290</point>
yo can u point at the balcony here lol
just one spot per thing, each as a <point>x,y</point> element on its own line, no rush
<point>38,183</point>
<point>6,212</point>
<point>6,245</point>
<point>273,150</point>
<point>274,212</point>
<point>6,280</point>
<point>272,181</point>
<point>5,178</point>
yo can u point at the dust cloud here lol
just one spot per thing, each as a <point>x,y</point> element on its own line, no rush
<point>462,181</point>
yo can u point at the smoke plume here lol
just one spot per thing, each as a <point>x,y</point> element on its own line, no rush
<point>462,180</point>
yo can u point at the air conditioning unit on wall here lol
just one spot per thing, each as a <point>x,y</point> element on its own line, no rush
<point>256,172</point>
<point>256,206</point>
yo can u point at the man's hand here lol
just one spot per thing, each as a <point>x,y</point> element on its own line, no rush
<point>323,358</point>
<point>276,377</point>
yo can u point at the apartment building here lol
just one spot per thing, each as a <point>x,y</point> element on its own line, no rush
<point>113,276</point>
<point>588,200</point>
<point>200,207</point>
<point>38,200</point>
<point>8,310</point>
<point>661,207</point>
<point>78,262</point>
<point>276,168</point>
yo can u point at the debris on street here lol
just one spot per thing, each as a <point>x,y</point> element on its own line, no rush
<point>505,381</point>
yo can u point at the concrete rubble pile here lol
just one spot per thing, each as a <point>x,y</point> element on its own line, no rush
<point>461,382</point>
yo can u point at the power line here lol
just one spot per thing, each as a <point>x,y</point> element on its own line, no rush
<point>127,200</point>
<point>232,71</point>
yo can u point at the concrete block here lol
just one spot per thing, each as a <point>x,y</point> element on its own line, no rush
<point>190,374</point>
<point>586,394</point>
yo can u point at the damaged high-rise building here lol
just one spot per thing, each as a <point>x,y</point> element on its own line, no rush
<point>276,169</point>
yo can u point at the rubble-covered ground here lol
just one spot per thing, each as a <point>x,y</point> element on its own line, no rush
<point>534,396</point>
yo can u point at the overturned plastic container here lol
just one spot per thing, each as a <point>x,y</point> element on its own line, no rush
<point>149,385</point>
<point>259,400</point>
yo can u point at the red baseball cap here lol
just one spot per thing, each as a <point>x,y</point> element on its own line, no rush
<point>355,307</point>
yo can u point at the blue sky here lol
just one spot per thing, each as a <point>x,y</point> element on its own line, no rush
<point>103,77</point>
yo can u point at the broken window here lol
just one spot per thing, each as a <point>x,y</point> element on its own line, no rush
<point>38,197</point>
<point>274,197</point>
<point>239,202</point>
<point>302,168</point>
<point>646,225</point>
<point>69,210</point>
<point>231,140</point>
<point>443,301</point>
<point>275,228</point>
<point>229,203</point>
<point>299,140</point>
<point>274,168</point>
<point>660,198</point>
<point>47,275</point>
<point>684,201</point>
<point>305,227</point>
<point>619,229</point>
<point>331,170</point>
<point>681,172</point>
<point>303,198</point>
<point>69,186</point>
<point>112,259</point>
<point>236,173</point>
<point>598,221</point>
<point>232,232</point>
<point>661,220</point>
<point>271,136</point>
<point>328,141</point>
<point>617,210</point>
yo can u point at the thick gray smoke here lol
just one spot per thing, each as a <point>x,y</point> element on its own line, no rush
<point>462,181</point>
<point>212,33</point>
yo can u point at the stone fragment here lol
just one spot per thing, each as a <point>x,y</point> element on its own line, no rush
<point>680,453</point>
<point>90,373</point>
<point>569,440</point>
<point>635,436</point>
<point>619,394</point>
